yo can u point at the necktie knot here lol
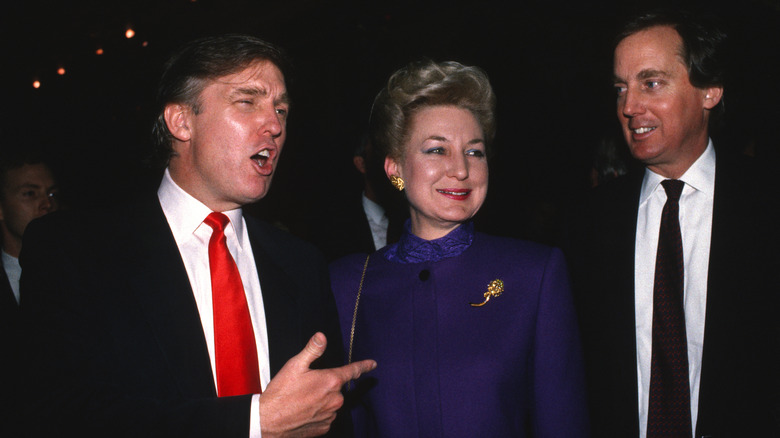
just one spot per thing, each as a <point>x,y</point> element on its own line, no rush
<point>673,189</point>
<point>217,221</point>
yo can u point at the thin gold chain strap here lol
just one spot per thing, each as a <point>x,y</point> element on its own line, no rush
<point>354,314</point>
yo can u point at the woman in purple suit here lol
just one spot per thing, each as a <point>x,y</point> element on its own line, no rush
<point>475,335</point>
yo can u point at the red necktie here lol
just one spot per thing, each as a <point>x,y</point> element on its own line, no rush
<point>235,351</point>
<point>669,413</point>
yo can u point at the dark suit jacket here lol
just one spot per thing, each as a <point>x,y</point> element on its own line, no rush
<point>9,321</point>
<point>116,345</point>
<point>739,386</point>
<point>343,229</point>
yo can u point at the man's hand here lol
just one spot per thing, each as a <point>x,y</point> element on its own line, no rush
<point>301,402</point>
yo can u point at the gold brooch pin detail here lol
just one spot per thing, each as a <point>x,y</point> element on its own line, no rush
<point>495,288</point>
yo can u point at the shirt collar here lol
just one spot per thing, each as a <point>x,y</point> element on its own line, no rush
<point>185,214</point>
<point>700,176</point>
<point>374,212</point>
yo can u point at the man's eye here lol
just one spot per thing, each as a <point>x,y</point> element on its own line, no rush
<point>282,112</point>
<point>652,84</point>
<point>619,90</point>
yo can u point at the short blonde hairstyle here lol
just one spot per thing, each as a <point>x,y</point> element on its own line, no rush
<point>424,84</point>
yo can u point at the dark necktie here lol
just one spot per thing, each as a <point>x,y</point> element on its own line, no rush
<point>235,351</point>
<point>669,413</point>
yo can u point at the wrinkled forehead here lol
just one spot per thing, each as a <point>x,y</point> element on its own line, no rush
<point>649,49</point>
<point>261,78</point>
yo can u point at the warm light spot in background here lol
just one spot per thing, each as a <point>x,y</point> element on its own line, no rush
<point>36,84</point>
<point>99,51</point>
<point>60,71</point>
<point>129,33</point>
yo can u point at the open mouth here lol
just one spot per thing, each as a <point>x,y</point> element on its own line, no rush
<point>643,130</point>
<point>262,157</point>
<point>454,193</point>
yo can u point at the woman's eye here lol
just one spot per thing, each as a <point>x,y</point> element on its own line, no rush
<point>475,153</point>
<point>436,150</point>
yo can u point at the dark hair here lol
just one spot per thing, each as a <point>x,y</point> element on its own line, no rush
<point>189,70</point>
<point>423,84</point>
<point>12,158</point>
<point>703,48</point>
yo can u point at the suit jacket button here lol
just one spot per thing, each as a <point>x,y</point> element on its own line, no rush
<point>424,274</point>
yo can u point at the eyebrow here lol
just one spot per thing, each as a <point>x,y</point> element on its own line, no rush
<point>260,92</point>
<point>440,138</point>
<point>28,186</point>
<point>645,74</point>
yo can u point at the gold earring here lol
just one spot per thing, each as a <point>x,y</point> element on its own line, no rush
<point>397,182</point>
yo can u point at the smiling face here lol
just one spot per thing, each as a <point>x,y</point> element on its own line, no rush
<point>226,151</point>
<point>445,169</point>
<point>663,116</point>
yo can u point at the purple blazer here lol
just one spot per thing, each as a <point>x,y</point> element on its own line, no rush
<point>511,368</point>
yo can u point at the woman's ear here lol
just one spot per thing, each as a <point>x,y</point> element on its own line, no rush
<point>391,167</point>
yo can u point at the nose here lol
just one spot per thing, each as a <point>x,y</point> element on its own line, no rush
<point>631,104</point>
<point>271,123</point>
<point>47,204</point>
<point>458,167</point>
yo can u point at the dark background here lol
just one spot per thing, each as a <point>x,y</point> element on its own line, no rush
<point>549,62</point>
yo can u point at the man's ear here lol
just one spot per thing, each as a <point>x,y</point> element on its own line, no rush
<point>177,118</point>
<point>712,97</point>
<point>391,167</point>
<point>360,163</point>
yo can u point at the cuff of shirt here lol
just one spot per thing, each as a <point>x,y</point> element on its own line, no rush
<point>254,418</point>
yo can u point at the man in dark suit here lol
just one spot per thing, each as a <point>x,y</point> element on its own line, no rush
<point>130,331</point>
<point>365,221</point>
<point>669,82</point>
<point>28,190</point>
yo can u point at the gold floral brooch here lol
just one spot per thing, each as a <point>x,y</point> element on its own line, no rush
<point>495,288</point>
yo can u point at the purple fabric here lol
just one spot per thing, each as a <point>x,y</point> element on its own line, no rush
<point>412,249</point>
<point>511,368</point>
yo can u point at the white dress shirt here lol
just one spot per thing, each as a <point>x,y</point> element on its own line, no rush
<point>696,229</point>
<point>185,216</point>
<point>377,221</point>
<point>13,270</point>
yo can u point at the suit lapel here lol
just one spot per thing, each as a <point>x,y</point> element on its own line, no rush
<point>625,319</point>
<point>279,301</point>
<point>166,299</point>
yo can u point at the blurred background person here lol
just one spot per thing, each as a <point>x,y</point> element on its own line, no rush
<point>367,218</point>
<point>28,190</point>
<point>475,334</point>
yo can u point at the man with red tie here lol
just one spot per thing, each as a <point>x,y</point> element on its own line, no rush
<point>177,315</point>
<point>675,269</point>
